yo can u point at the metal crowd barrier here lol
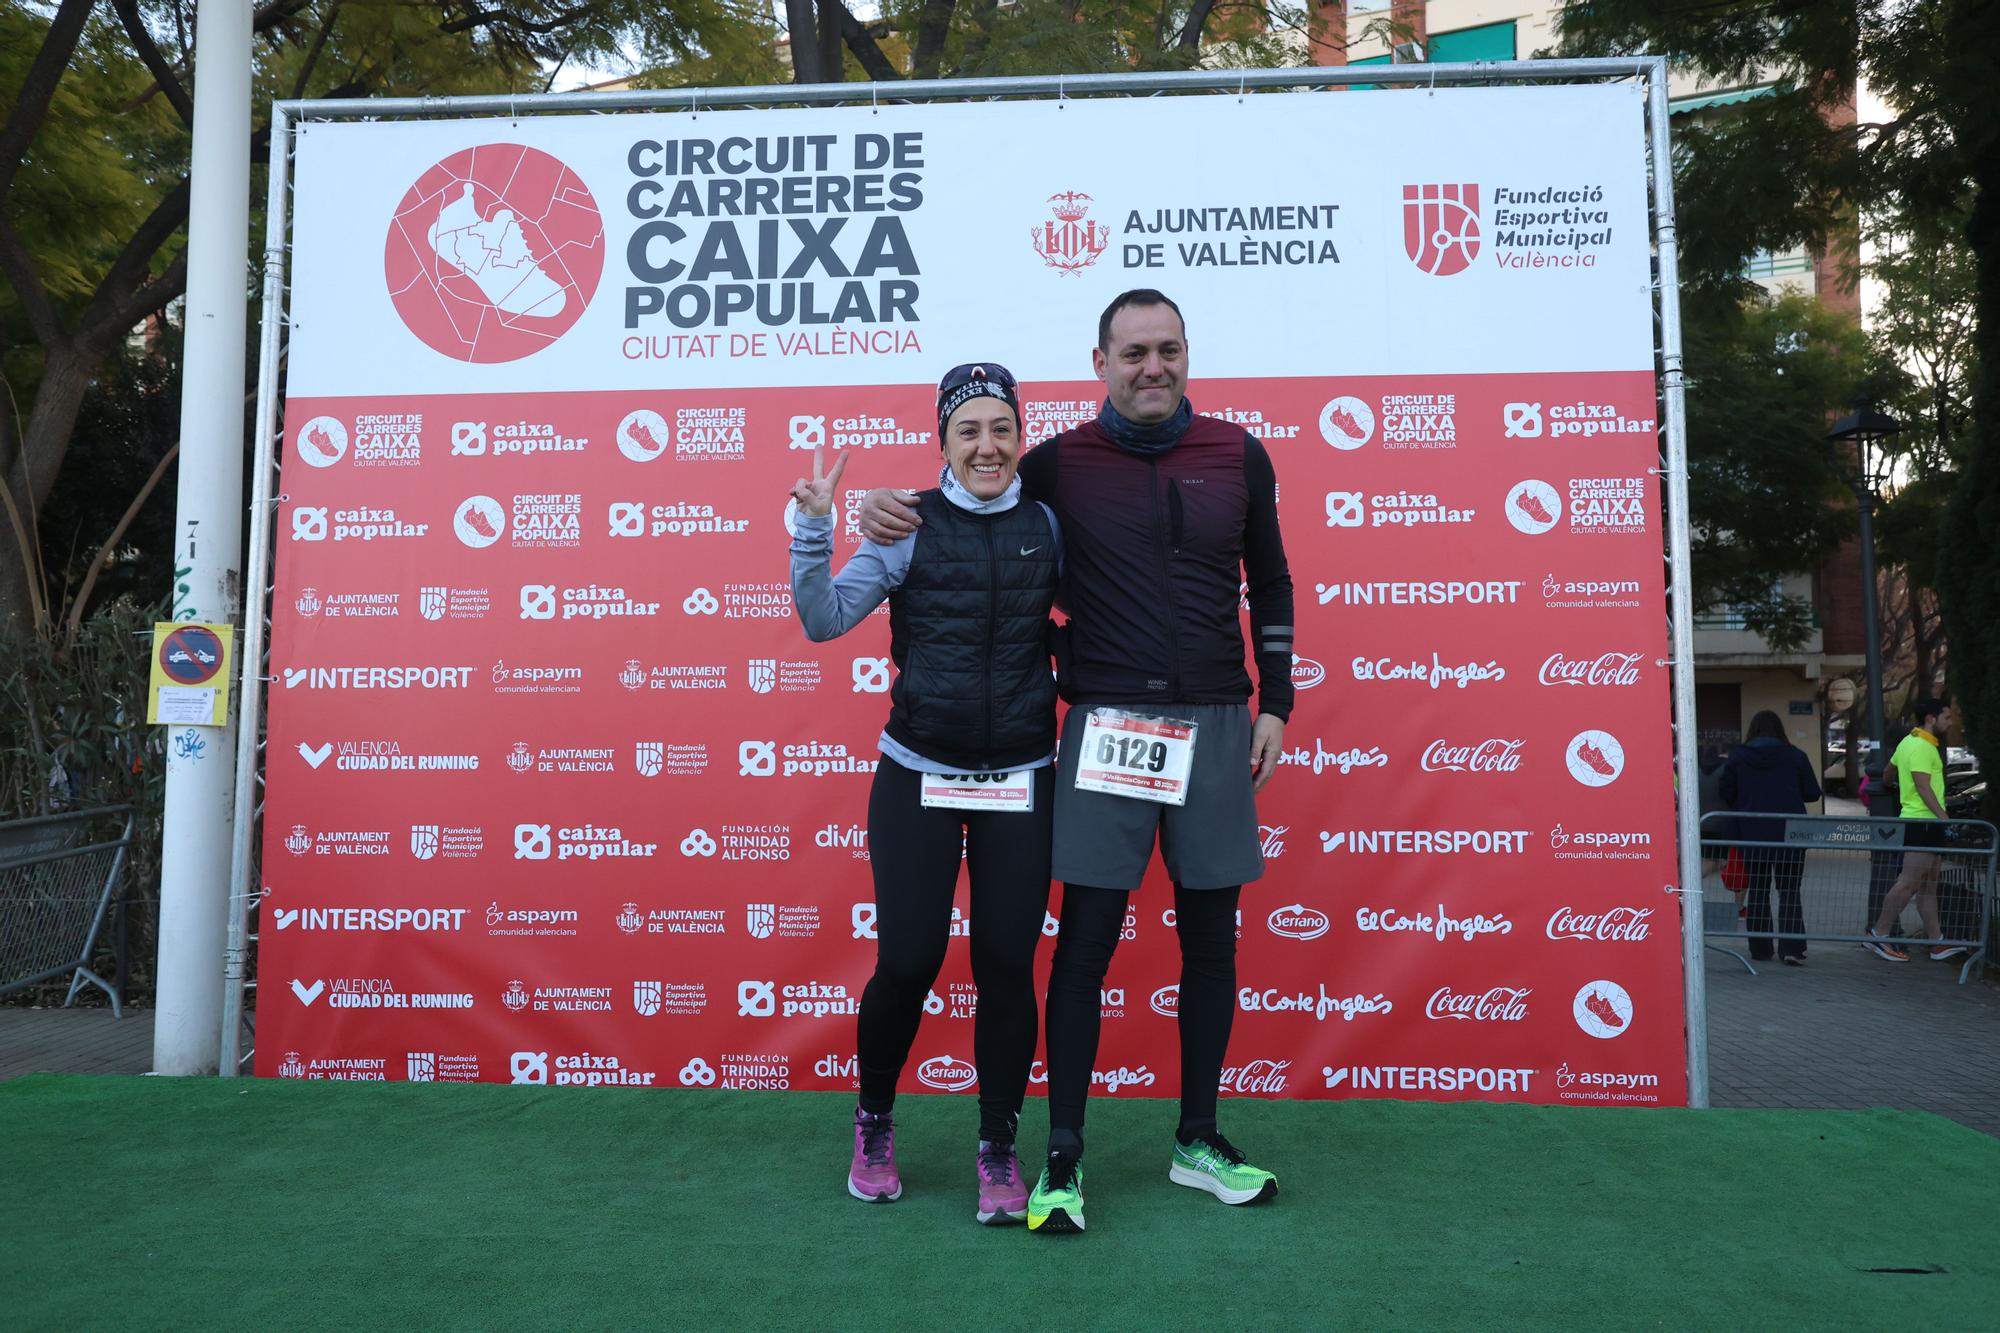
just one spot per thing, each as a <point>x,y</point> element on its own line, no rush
<point>1825,879</point>
<point>58,877</point>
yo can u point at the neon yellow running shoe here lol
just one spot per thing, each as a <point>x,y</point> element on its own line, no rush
<point>1055,1207</point>
<point>1214,1164</point>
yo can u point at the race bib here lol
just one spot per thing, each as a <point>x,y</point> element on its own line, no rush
<point>1009,793</point>
<point>1137,755</point>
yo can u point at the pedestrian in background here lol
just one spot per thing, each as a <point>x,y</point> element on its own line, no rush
<point>1767,774</point>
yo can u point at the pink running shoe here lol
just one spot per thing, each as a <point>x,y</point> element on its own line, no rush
<point>872,1178</point>
<point>1003,1195</point>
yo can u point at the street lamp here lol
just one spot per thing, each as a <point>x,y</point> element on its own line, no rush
<point>1864,469</point>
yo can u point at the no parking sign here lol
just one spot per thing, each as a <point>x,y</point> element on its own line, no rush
<point>190,676</point>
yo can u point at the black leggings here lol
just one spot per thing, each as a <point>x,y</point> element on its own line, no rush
<point>915,855</point>
<point>1091,921</point>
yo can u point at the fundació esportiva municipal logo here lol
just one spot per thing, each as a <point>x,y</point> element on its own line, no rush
<point>1441,227</point>
<point>494,253</point>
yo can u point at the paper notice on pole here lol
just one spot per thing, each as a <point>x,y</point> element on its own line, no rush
<point>182,703</point>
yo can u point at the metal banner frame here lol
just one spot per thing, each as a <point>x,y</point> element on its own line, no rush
<point>1651,71</point>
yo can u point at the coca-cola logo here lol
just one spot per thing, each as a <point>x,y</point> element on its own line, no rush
<point>1494,755</point>
<point>1298,922</point>
<point>1604,669</point>
<point>1612,926</point>
<point>1167,1001</point>
<point>1306,673</point>
<point>1273,836</point>
<point>1255,1076</point>
<point>1498,1004</point>
<point>947,1074</point>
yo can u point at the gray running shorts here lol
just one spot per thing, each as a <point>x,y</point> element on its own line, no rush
<point>1210,843</point>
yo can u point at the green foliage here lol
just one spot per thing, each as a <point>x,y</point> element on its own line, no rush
<point>1763,492</point>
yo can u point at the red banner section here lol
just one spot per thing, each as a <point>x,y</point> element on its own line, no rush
<point>559,792</point>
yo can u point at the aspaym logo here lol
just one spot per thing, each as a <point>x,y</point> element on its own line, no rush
<point>494,253</point>
<point>1441,227</point>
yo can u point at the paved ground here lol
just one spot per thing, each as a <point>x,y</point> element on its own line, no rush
<point>75,1041</point>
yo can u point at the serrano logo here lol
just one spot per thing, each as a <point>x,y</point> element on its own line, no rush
<point>1070,242</point>
<point>494,253</point>
<point>1167,1001</point>
<point>1441,227</point>
<point>947,1074</point>
<point>1306,673</point>
<point>1298,922</point>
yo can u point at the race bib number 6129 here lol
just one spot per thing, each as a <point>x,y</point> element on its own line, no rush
<point>1136,755</point>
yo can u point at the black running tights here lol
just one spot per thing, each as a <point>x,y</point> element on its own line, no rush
<point>1091,921</point>
<point>915,856</point>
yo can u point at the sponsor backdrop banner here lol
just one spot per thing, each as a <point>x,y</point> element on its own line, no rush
<point>558,790</point>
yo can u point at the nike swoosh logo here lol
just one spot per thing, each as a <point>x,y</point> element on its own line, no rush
<point>307,994</point>
<point>286,916</point>
<point>315,755</point>
<point>1029,550</point>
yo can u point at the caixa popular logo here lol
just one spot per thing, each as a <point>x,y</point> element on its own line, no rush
<point>947,1073</point>
<point>583,842</point>
<point>1298,922</point>
<point>494,253</point>
<point>1441,227</point>
<point>1070,241</point>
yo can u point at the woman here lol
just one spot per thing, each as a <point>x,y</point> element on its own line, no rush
<point>965,762</point>
<point>1769,775</point>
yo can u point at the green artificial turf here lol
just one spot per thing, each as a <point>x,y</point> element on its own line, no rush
<point>181,1203</point>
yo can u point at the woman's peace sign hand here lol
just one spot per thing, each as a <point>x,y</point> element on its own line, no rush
<point>815,497</point>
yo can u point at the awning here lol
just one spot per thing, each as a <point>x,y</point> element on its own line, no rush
<point>1703,101</point>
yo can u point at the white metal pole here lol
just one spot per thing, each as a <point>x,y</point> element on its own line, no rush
<point>243,885</point>
<point>208,536</point>
<point>1680,570</point>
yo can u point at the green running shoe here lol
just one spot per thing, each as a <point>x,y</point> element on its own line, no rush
<point>1055,1208</point>
<point>1213,1163</point>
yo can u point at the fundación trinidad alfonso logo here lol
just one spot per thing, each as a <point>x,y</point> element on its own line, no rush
<point>1441,227</point>
<point>1070,241</point>
<point>494,253</point>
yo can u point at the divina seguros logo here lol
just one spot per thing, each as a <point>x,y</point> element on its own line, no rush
<point>494,253</point>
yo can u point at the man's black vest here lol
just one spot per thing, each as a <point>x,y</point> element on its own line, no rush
<point>968,632</point>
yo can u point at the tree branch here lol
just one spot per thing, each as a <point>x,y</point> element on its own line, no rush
<point>862,42</point>
<point>154,296</point>
<point>1196,20</point>
<point>110,544</point>
<point>128,272</point>
<point>19,268</point>
<point>156,64</point>
<point>318,45</point>
<point>494,18</point>
<point>31,104</point>
<point>932,26</point>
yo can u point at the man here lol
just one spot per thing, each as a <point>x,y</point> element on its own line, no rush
<point>1165,515</point>
<point>1917,769</point>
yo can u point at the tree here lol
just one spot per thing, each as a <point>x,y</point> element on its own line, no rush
<point>1763,496</point>
<point>93,169</point>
